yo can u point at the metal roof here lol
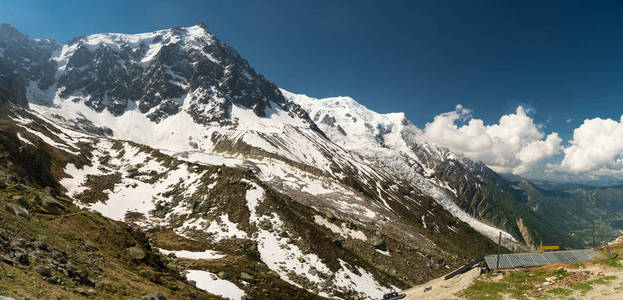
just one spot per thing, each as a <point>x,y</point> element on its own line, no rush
<point>523,260</point>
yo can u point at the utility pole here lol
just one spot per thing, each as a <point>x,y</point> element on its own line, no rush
<point>593,233</point>
<point>497,261</point>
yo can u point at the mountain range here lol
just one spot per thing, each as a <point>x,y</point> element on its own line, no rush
<point>174,139</point>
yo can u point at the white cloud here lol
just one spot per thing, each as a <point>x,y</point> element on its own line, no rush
<point>515,144</point>
<point>597,146</point>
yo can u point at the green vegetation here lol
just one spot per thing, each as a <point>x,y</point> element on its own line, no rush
<point>515,283</point>
<point>524,284</point>
<point>560,272</point>
<point>97,252</point>
<point>532,283</point>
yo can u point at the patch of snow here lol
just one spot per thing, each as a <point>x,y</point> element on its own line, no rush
<point>49,141</point>
<point>343,231</point>
<point>207,254</point>
<point>173,133</point>
<point>315,187</point>
<point>24,140</point>
<point>77,177</point>
<point>128,196</point>
<point>363,282</point>
<point>210,283</point>
<point>225,229</point>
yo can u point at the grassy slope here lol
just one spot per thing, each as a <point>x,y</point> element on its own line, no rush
<point>600,278</point>
<point>98,246</point>
<point>90,241</point>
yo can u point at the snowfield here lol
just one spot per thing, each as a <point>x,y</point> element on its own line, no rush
<point>210,283</point>
<point>207,254</point>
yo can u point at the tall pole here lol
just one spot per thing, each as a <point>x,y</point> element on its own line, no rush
<point>497,261</point>
<point>593,233</point>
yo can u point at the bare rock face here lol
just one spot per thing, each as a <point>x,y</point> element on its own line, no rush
<point>23,60</point>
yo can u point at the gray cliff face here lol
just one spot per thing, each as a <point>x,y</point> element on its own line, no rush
<point>23,60</point>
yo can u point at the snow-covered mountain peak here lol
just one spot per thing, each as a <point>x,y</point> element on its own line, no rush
<point>344,104</point>
<point>340,117</point>
<point>193,37</point>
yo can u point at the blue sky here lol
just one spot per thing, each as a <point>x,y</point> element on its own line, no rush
<point>563,60</point>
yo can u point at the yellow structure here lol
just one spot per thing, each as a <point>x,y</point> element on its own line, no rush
<point>549,248</point>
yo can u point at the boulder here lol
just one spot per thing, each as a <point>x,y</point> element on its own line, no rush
<point>272,273</point>
<point>51,206</point>
<point>173,267</point>
<point>21,201</point>
<point>379,243</point>
<point>330,215</point>
<point>265,224</point>
<point>53,280</point>
<point>44,271</point>
<point>42,245</point>
<point>23,259</point>
<point>103,284</point>
<point>85,292</point>
<point>136,253</point>
<point>17,210</point>
<point>83,278</point>
<point>246,277</point>
<point>352,226</point>
<point>8,260</point>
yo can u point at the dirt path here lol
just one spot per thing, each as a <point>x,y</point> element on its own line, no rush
<point>443,289</point>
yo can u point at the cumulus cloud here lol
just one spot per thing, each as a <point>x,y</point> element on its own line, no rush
<point>597,146</point>
<point>515,144</point>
